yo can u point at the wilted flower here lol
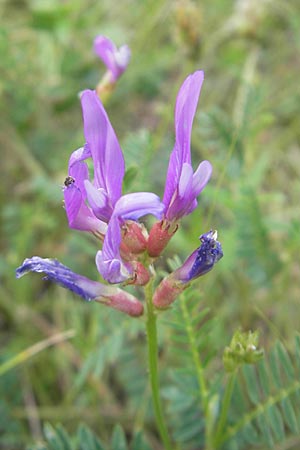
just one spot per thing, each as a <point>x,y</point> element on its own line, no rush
<point>183,185</point>
<point>197,264</point>
<point>88,289</point>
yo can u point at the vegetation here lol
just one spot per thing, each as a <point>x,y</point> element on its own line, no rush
<point>73,375</point>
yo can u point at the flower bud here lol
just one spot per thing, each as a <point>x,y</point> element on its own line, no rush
<point>201,260</point>
<point>197,264</point>
<point>123,301</point>
<point>242,350</point>
<point>141,274</point>
<point>159,236</point>
<point>167,291</point>
<point>134,236</point>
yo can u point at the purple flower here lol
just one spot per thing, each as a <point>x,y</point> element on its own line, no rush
<point>103,147</point>
<point>98,206</point>
<point>116,60</point>
<point>88,289</point>
<point>197,264</point>
<point>183,185</point>
<point>129,207</point>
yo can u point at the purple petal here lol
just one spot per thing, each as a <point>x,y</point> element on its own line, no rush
<point>182,187</point>
<point>80,173</point>
<point>135,205</point>
<point>109,261</point>
<point>79,155</point>
<point>80,217</point>
<point>105,49</point>
<point>183,197</point>
<point>62,275</point>
<point>201,260</point>
<point>186,104</point>
<point>98,201</point>
<point>80,285</point>
<point>185,181</point>
<point>201,177</point>
<point>122,58</point>
<point>115,60</point>
<point>107,155</point>
<point>128,207</point>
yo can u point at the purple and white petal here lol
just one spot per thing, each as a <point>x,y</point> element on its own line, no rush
<point>122,58</point>
<point>201,177</point>
<point>80,173</point>
<point>62,275</point>
<point>182,187</point>
<point>186,105</point>
<point>109,166</point>
<point>105,49</point>
<point>80,216</point>
<point>98,201</point>
<point>135,205</point>
<point>109,262</point>
<point>116,60</point>
<point>81,154</point>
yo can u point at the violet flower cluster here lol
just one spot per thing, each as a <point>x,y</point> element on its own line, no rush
<point>96,204</point>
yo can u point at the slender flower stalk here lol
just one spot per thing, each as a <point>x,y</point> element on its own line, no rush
<point>151,327</point>
<point>216,439</point>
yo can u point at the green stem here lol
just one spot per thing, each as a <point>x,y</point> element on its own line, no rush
<point>153,367</point>
<point>224,410</point>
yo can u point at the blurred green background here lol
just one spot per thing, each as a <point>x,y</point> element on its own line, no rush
<point>247,125</point>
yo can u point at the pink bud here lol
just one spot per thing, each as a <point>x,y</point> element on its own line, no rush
<point>159,236</point>
<point>134,236</point>
<point>142,275</point>
<point>123,301</point>
<point>167,291</point>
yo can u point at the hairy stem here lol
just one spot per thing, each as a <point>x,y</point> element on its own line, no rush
<point>153,368</point>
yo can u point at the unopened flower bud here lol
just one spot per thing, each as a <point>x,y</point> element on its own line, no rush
<point>167,291</point>
<point>123,301</point>
<point>201,260</point>
<point>141,274</point>
<point>134,236</point>
<point>197,264</point>
<point>159,236</point>
<point>243,349</point>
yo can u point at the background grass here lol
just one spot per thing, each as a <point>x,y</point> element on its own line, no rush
<point>247,125</point>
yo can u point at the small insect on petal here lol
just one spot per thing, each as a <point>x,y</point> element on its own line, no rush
<point>69,181</point>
